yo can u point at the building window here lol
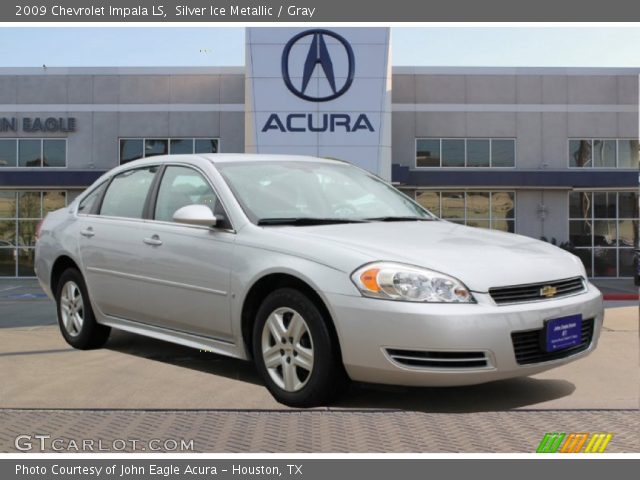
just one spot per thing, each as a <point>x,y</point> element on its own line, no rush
<point>603,229</point>
<point>604,153</point>
<point>135,148</point>
<point>20,212</point>
<point>465,152</point>
<point>484,209</point>
<point>33,152</point>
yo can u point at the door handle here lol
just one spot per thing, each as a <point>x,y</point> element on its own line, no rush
<point>154,240</point>
<point>87,232</point>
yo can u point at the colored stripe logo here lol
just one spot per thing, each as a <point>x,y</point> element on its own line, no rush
<point>574,442</point>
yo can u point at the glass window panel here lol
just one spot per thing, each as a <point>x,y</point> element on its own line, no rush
<point>580,204</point>
<point>53,200</point>
<point>131,149</point>
<point>156,146</point>
<point>584,254</point>
<point>604,153</point>
<point>628,151</point>
<point>181,145</point>
<point>54,153</point>
<point>7,204</point>
<point>580,153</point>
<point>605,233</point>
<point>628,233</point>
<point>628,205</point>
<point>478,223</point>
<point>580,233</point>
<point>87,203</point>
<point>477,153</point>
<point>503,153</point>
<point>478,205</point>
<point>428,154</point>
<point>29,205</point>
<point>430,201</point>
<point>27,232</point>
<point>127,193</point>
<point>453,205</point>
<point>604,204</point>
<point>29,154</point>
<point>182,186</point>
<point>25,262</point>
<point>604,262</point>
<point>626,262</point>
<point>7,232</point>
<point>453,153</point>
<point>7,261</point>
<point>503,205</point>
<point>206,145</point>
<point>8,156</point>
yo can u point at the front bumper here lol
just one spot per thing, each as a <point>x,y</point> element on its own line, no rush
<point>369,328</point>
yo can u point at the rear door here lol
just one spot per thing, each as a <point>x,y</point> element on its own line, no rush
<point>112,248</point>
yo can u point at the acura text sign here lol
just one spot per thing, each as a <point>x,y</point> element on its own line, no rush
<point>322,92</point>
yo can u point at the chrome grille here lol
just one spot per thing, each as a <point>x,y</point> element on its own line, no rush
<point>528,345</point>
<point>535,291</point>
<point>449,360</point>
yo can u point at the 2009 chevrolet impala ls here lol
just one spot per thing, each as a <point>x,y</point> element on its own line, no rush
<point>315,269</point>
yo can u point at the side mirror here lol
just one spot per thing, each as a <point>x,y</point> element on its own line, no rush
<point>195,215</point>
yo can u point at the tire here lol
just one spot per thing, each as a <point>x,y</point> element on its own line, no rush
<point>75,316</point>
<point>305,370</point>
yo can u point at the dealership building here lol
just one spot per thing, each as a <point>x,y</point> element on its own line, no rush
<point>544,152</point>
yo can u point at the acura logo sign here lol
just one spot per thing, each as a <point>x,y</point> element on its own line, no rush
<point>318,55</point>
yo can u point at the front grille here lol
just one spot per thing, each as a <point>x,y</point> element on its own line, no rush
<point>426,359</point>
<point>529,345</point>
<point>534,291</point>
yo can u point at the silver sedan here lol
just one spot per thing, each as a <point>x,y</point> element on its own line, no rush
<point>317,270</point>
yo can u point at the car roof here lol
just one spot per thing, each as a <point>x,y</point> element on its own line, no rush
<point>217,158</point>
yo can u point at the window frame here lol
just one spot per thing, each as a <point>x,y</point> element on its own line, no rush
<point>593,218</point>
<point>593,166</point>
<point>41,140</point>
<point>145,206</point>
<point>466,152</point>
<point>466,191</point>
<point>168,139</point>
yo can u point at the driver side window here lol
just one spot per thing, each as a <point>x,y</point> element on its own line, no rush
<point>182,186</point>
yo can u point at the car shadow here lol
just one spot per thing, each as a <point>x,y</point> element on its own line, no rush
<point>495,396</point>
<point>500,395</point>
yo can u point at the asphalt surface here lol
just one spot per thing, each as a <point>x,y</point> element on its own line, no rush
<point>148,389</point>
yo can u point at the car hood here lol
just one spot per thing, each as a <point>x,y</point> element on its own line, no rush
<point>480,258</point>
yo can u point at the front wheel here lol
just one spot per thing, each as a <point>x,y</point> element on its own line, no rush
<point>75,316</point>
<point>294,350</point>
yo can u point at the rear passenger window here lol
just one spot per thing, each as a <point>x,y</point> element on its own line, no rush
<point>88,203</point>
<point>127,193</point>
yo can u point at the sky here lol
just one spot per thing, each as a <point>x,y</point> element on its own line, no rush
<point>224,46</point>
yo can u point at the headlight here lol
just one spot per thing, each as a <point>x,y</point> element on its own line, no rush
<point>395,281</point>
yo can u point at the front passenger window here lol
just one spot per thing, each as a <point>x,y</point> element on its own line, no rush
<point>127,193</point>
<point>182,186</point>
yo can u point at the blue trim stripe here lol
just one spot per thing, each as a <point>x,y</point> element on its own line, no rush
<point>49,178</point>
<point>592,178</point>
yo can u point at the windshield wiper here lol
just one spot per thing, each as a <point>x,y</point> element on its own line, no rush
<point>400,219</point>
<point>303,221</point>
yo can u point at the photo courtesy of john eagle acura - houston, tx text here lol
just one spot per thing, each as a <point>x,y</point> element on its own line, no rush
<point>315,269</point>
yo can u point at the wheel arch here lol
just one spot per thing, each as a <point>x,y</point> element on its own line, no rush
<point>268,283</point>
<point>62,263</point>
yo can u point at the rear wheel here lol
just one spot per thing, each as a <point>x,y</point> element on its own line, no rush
<point>294,351</point>
<point>75,316</point>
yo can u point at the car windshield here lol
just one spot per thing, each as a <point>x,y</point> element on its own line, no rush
<point>307,193</point>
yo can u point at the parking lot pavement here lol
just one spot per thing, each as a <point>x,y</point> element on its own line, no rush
<point>41,372</point>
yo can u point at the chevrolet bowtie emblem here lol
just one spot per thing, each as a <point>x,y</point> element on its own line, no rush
<point>548,291</point>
